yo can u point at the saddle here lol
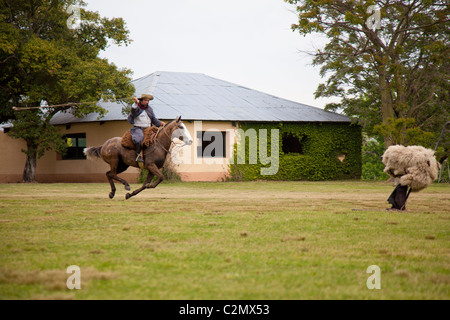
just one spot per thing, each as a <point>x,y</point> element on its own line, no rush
<point>149,136</point>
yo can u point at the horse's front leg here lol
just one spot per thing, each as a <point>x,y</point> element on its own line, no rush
<point>144,186</point>
<point>153,168</point>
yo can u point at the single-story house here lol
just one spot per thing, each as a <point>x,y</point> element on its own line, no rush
<point>206,104</point>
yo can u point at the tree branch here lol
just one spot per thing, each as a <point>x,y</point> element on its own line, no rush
<point>11,16</point>
<point>9,57</point>
<point>47,13</point>
<point>425,26</point>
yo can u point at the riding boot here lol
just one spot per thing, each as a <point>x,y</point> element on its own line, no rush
<point>139,157</point>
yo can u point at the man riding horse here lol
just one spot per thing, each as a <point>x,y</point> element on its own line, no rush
<point>120,158</point>
<point>141,117</point>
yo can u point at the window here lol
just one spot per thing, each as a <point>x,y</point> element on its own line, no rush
<point>76,144</point>
<point>212,144</point>
<point>292,144</point>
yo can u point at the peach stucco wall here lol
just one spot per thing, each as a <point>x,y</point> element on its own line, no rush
<point>50,169</point>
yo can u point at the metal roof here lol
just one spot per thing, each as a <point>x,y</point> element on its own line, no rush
<point>197,96</point>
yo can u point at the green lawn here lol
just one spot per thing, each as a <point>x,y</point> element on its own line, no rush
<point>252,240</point>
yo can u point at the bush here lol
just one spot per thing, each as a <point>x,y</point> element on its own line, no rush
<point>320,145</point>
<point>372,168</point>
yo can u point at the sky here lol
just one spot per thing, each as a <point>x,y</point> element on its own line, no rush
<point>247,42</point>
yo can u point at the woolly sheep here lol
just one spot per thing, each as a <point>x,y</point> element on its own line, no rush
<point>412,166</point>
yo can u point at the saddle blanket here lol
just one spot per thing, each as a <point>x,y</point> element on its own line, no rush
<point>149,135</point>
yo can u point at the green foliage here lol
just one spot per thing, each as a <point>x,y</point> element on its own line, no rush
<point>42,59</point>
<point>372,168</point>
<point>39,135</point>
<point>322,144</point>
<point>401,70</point>
<point>404,132</point>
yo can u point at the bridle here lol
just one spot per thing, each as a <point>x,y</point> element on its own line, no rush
<point>163,129</point>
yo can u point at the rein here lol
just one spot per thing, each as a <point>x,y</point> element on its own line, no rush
<point>159,143</point>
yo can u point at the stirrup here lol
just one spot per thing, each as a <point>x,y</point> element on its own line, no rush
<point>140,160</point>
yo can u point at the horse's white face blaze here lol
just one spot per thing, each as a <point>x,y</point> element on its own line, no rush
<point>182,134</point>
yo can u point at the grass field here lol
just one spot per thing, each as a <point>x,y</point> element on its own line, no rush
<point>255,240</point>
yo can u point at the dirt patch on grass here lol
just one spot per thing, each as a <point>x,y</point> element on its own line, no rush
<point>53,280</point>
<point>293,238</point>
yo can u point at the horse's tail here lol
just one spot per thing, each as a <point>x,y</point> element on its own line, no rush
<point>92,152</point>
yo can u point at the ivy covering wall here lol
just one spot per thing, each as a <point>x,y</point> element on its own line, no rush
<point>329,151</point>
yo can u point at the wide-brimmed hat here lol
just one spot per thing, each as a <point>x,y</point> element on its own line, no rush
<point>146,96</point>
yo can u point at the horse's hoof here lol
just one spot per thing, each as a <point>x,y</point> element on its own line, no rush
<point>127,187</point>
<point>127,196</point>
<point>111,195</point>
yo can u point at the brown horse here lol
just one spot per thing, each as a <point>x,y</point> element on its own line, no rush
<point>120,158</point>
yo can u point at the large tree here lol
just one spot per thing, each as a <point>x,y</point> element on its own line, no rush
<point>45,56</point>
<point>384,59</point>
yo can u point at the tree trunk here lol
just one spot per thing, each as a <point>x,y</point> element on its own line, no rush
<point>29,173</point>
<point>387,109</point>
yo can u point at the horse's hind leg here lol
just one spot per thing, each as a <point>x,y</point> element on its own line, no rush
<point>112,175</point>
<point>124,182</point>
<point>121,167</point>
<point>111,182</point>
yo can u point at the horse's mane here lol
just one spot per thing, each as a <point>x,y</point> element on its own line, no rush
<point>161,128</point>
<point>170,122</point>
